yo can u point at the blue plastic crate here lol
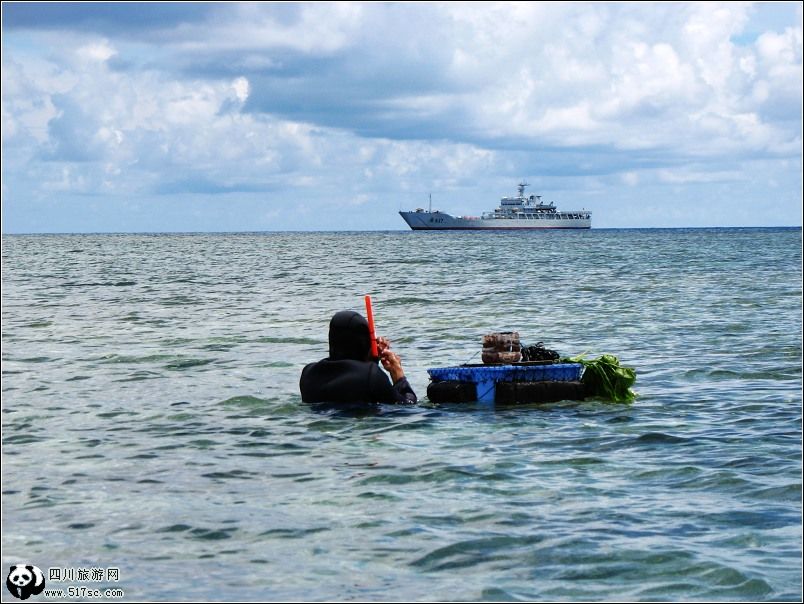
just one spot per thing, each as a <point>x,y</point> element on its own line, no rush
<point>485,377</point>
<point>560,372</point>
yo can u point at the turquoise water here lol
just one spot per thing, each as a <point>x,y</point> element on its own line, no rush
<point>152,421</point>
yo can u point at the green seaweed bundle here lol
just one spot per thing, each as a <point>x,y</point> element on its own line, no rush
<point>605,378</point>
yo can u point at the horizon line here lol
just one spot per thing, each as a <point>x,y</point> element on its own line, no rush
<point>247,232</point>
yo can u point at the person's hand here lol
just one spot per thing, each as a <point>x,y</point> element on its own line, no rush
<point>392,364</point>
<point>383,344</point>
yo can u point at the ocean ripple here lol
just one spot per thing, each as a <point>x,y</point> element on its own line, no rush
<point>151,416</point>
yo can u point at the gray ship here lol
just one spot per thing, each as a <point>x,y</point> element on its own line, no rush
<point>518,212</point>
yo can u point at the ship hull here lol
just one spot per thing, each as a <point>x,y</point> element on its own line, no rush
<point>439,221</point>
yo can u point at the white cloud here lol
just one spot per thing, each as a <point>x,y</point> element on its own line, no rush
<point>99,51</point>
<point>309,28</point>
<point>134,133</point>
<point>630,178</point>
<point>241,89</point>
<point>352,98</point>
<point>688,175</point>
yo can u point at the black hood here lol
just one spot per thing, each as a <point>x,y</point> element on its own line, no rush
<point>349,336</point>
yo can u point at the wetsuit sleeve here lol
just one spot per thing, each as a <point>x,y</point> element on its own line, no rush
<point>385,392</point>
<point>405,392</point>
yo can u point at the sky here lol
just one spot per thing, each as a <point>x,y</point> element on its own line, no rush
<point>196,117</point>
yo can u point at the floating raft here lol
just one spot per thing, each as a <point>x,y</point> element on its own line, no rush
<point>505,384</point>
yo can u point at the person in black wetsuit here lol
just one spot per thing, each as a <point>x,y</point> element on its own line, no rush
<point>348,375</point>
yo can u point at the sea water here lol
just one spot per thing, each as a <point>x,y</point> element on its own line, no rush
<point>154,437</point>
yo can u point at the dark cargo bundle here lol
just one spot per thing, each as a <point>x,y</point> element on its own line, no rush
<point>538,352</point>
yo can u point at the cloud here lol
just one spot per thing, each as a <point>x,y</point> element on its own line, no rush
<point>602,81</point>
<point>70,137</point>
<point>356,100</point>
<point>97,51</point>
<point>105,17</point>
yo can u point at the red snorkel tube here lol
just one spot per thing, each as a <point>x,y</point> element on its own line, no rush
<point>372,336</point>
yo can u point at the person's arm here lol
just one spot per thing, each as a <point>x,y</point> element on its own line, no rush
<point>396,390</point>
<point>404,392</point>
<point>393,365</point>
